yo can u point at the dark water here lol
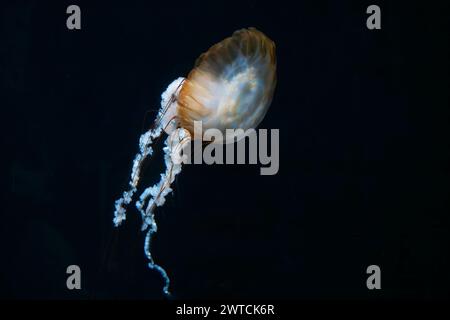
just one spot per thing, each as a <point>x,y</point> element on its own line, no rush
<point>363,119</point>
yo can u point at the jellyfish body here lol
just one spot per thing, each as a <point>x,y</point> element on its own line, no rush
<point>230,87</point>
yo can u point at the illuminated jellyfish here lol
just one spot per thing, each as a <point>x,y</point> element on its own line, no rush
<point>230,87</point>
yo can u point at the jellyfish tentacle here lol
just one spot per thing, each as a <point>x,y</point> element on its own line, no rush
<point>165,121</point>
<point>157,193</point>
<point>174,145</point>
<point>152,265</point>
<point>145,150</point>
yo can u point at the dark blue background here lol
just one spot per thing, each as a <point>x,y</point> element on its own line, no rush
<point>363,119</point>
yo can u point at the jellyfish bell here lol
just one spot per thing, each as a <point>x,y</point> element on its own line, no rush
<point>230,87</point>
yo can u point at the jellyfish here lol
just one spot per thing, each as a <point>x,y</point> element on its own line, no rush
<point>230,87</point>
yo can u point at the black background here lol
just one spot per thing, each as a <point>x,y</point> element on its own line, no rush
<point>363,119</point>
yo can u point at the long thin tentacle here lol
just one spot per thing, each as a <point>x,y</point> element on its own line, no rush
<point>172,151</point>
<point>145,150</point>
